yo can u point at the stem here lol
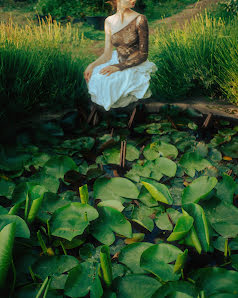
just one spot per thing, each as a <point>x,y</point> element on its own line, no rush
<point>42,243</point>
<point>26,207</point>
<point>32,274</point>
<point>48,229</point>
<point>62,245</point>
<point>47,287</point>
<point>42,287</point>
<point>106,265</point>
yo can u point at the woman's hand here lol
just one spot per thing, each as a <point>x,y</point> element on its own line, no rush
<point>88,72</point>
<point>109,70</point>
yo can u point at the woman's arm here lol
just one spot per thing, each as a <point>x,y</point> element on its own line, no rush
<point>107,54</point>
<point>142,54</point>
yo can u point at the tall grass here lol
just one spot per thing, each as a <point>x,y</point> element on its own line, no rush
<point>41,64</point>
<point>199,57</point>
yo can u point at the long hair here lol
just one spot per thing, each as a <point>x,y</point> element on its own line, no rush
<point>113,3</point>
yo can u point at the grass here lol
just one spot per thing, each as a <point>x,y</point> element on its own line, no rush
<point>202,56</point>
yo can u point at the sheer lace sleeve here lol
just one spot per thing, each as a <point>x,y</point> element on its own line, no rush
<point>141,54</point>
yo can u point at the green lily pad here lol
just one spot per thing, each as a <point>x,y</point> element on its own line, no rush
<point>183,226</point>
<point>141,215</point>
<point>164,223</point>
<point>6,188</point>
<point>54,265</point>
<point>158,191</point>
<point>224,219</point>
<point>157,149</point>
<point>216,281</point>
<point>71,220</point>
<point>226,189</point>
<point>110,221</point>
<point>157,258</point>
<point>146,198</point>
<point>83,279</point>
<point>230,149</point>
<point>200,224</point>
<point>166,166</point>
<point>22,229</point>
<point>80,144</point>
<point>57,166</point>
<point>192,161</point>
<point>131,254</point>
<point>137,286</point>
<point>168,289</point>
<point>198,189</point>
<point>116,188</point>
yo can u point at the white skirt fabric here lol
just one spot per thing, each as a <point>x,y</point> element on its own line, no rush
<point>120,88</point>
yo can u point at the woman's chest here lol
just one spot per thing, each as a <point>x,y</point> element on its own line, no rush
<point>127,36</point>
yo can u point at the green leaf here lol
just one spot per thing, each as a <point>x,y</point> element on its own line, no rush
<point>200,224</point>
<point>180,261</point>
<point>113,204</point>
<point>71,220</point>
<point>166,166</point>
<point>158,191</point>
<point>198,189</point>
<point>137,286</point>
<point>216,281</point>
<point>51,202</point>
<point>114,189</point>
<point>154,150</point>
<point>82,279</point>
<point>57,166</point>
<point>230,149</point>
<point>168,289</point>
<point>226,189</point>
<point>141,215</point>
<point>6,188</point>
<point>157,258</point>
<point>224,219</point>
<point>162,221</point>
<point>80,144</point>
<point>183,226</point>
<point>54,265</point>
<point>146,198</point>
<point>192,161</point>
<point>22,229</point>
<point>131,254</point>
<point>110,220</point>
<point>7,236</point>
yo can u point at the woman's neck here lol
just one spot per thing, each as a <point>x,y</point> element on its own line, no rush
<point>122,12</point>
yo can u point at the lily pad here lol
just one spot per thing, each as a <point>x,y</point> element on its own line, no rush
<point>183,226</point>
<point>158,191</point>
<point>71,220</point>
<point>131,254</point>
<point>198,189</point>
<point>192,161</point>
<point>110,221</point>
<point>157,258</point>
<point>82,279</point>
<point>116,188</point>
<point>137,286</point>
<point>157,149</point>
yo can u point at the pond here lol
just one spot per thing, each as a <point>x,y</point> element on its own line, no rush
<point>142,206</point>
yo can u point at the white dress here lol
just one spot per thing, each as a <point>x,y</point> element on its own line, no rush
<point>120,88</point>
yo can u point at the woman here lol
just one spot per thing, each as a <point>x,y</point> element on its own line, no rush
<point>122,76</point>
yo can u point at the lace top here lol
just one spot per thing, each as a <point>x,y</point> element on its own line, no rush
<point>132,43</point>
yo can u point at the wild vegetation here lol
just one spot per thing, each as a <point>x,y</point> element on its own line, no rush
<point>145,208</point>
